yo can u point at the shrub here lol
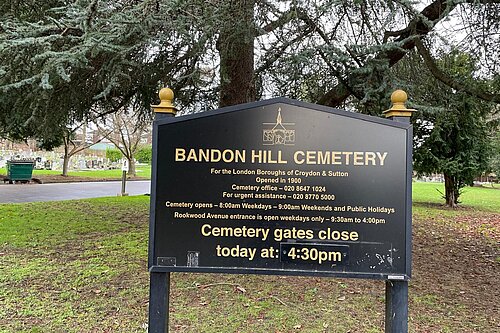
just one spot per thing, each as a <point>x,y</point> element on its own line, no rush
<point>113,154</point>
<point>144,154</point>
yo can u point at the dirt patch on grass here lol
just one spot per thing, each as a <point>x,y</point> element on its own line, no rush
<point>454,288</point>
<point>455,262</point>
<point>98,283</point>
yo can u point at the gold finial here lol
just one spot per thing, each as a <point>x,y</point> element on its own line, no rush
<point>166,98</point>
<point>398,109</point>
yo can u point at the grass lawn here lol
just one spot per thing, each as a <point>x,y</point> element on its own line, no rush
<point>485,197</point>
<point>143,171</point>
<point>81,266</point>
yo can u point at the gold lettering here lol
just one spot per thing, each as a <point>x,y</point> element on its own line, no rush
<point>214,155</point>
<point>192,156</point>
<point>358,158</point>
<point>297,159</point>
<point>336,158</point>
<point>347,155</point>
<point>370,157</point>
<point>382,157</point>
<point>324,157</point>
<point>206,233</point>
<point>180,154</point>
<point>257,156</point>
<point>310,157</point>
<point>204,155</point>
<point>280,159</point>
<point>240,155</point>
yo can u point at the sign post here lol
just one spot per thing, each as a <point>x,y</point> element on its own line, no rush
<point>159,283</point>
<point>396,292</point>
<point>123,193</point>
<point>281,187</point>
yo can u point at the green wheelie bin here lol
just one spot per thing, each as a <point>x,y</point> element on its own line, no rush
<point>20,171</point>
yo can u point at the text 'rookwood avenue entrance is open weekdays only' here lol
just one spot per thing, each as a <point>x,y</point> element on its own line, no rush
<point>280,187</point>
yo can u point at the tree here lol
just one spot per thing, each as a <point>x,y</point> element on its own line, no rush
<point>458,146</point>
<point>494,166</point>
<point>235,44</point>
<point>452,132</point>
<point>125,129</point>
<point>74,145</point>
<point>69,60</point>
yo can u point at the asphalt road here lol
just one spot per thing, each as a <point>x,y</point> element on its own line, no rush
<point>17,193</point>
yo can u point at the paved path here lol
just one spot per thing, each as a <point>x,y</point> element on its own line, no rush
<point>17,193</point>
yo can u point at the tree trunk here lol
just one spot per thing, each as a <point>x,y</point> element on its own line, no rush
<point>451,196</point>
<point>236,50</point>
<point>65,160</point>
<point>131,167</point>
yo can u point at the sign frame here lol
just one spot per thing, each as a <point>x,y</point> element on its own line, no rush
<point>404,126</point>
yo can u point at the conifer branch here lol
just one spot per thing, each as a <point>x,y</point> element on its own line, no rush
<point>301,14</point>
<point>276,24</point>
<point>277,53</point>
<point>419,26</point>
<point>449,81</point>
<point>91,13</point>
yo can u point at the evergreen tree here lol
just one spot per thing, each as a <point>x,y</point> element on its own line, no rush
<point>458,145</point>
<point>235,45</point>
<point>452,129</point>
<point>495,159</point>
<point>71,60</point>
<point>62,61</point>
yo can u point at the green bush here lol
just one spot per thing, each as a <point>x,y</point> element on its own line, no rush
<point>144,154</point>
<point>113,154</point>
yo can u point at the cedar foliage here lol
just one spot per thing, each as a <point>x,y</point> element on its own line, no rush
<point>64,61</point>
<point>452,129</point>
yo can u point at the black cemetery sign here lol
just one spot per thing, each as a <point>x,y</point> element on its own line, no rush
<point>282,187</point>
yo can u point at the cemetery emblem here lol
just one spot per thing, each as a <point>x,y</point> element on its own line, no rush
<point>278,134</point>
